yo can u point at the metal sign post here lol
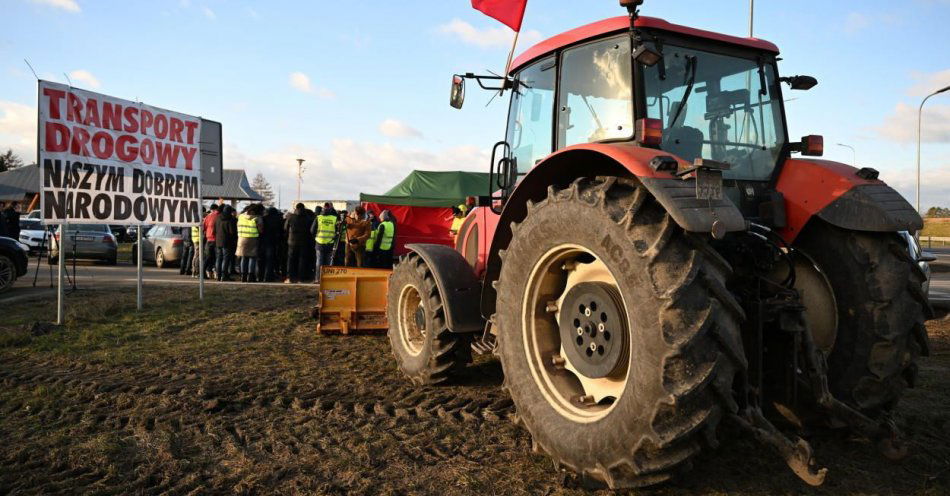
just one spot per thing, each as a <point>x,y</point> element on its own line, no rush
<point>61,269</point>
<point>138,263</point>
<point>201,246</point>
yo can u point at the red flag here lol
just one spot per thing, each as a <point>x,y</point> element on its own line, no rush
<point>509,12</point>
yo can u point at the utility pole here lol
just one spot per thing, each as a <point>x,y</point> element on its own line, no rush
<point>854,155</point>
<point>920,111</point>
<point>300,162</point>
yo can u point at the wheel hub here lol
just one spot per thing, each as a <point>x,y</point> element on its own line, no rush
<point>590,328</point>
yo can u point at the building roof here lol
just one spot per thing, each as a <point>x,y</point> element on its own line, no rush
<point>17,183</point>
<point>618,24</point>
<point>26,181</point>
<point>235,186</point>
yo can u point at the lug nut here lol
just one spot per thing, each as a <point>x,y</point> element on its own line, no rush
<point>600,327</point>
<point>587,312</point>
<point>593,347</point>
<point>580,331</point>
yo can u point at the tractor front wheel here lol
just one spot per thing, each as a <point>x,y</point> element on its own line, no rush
<point>425,350</point>
<point>881,307</point>
<point>618,338</point>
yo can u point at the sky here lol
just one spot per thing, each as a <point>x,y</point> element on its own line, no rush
<point>359,89</point>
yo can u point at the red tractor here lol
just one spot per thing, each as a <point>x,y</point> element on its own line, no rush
<point>654,260</point>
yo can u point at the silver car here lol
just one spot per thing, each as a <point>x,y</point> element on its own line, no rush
<point>162,246</point>
<point>922,257</point>
<point>84,241</point>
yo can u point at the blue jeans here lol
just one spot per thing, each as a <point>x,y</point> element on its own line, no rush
<point>249,268</point>
<point>223,263</point>
<point>324,257</point>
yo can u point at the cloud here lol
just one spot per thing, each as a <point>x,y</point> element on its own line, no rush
<point>209,13</point>
<point>934,180</point>
<point>855,22</point>
<point>397,129</point>
<point>251,13</point>
<point>349,167</point>
<point>67,5</point>
<point>901,126</point>
<point>496,37</point>
<point>18,129</point>
<point>301,82</point>
<point>928,83</point>
<point>85,76</point>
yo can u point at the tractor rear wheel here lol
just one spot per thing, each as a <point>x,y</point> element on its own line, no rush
<point>618,338</point>
<point>881,308</point>
<point>425,350</point>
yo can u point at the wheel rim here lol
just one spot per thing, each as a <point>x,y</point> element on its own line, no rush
<point>6,274</point>
<point>159,258</point>
<point>411,316</point>
<point>580,389</point>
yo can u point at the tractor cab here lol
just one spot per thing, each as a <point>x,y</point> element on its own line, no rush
<point>690,93</point>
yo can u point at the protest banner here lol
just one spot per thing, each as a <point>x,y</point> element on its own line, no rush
<point>105,160</point>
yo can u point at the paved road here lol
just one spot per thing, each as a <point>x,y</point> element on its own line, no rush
<point>90,275</point>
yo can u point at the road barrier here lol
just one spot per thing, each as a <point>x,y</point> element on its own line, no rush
<point>928,241</point>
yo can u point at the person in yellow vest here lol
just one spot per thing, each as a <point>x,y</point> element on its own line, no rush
<point>384,241</point>
<point>249,227</point>
<point>467,207</point>
<point>458,217</point>
<point>324,230</point>
<point>196,239</point>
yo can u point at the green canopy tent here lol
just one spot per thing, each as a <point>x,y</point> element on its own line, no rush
<point>433,189</point>
<point>422,204</point>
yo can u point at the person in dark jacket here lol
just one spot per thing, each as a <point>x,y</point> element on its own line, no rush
<point>297,229</point>
<point>11,217</point>
<point>273,236</point>
<point>309,257</point>
<point>225,233</point>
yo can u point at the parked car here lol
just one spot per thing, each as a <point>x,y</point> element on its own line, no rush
<point>34,214</point>
<point>161,246</point>
<point>13,260</point>
<point>922,257</point>
<point>85,241</point>
<point>35,235</point>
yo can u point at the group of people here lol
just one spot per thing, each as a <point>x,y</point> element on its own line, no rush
<point>10,220</point>
<point>262,244</point>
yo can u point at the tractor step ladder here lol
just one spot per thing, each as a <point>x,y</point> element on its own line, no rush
<point>352,301</point>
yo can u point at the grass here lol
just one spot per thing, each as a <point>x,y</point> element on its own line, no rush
<point>936,227</point>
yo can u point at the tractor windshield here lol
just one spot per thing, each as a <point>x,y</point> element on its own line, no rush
<point>717,107</point>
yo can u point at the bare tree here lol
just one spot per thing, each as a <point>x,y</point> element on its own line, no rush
<point>263,188</point>
<point>9,161</point>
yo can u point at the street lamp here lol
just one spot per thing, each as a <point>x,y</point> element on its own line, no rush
<point>854,155</point>
<point>300,162</point>
<point>920,111</point>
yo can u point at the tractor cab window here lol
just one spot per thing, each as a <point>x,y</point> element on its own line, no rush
<point>718,107</point>
<point>531,116</point>
<point>595,102</point>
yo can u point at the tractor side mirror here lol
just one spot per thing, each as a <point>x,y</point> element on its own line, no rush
<point>457,97</point>
<point>802,83</point>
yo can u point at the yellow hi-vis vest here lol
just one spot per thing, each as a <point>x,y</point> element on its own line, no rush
<point>247,227</point>
<point>326,228</point>
<point>371,241</point>
<point>195,234</point>
<point>457,225</point>
<point>389,233</point>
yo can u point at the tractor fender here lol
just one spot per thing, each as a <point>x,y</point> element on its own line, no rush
<point>457,284</point>
<point>606,159</point>
<point>836,194</point>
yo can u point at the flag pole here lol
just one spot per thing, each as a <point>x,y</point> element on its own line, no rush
<point>511,54</point>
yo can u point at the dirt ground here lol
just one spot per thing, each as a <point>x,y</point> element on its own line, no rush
<point>241,396</point>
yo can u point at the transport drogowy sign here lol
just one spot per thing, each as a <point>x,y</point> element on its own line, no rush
<point>104,160</point>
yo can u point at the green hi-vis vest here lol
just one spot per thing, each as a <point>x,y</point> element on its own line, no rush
<point>247,227</point>
<point>389,232</point>
<point>326,228</point>
<point>195,234</point>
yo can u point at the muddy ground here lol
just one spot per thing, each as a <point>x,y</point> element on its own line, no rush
<point>186,399</point>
